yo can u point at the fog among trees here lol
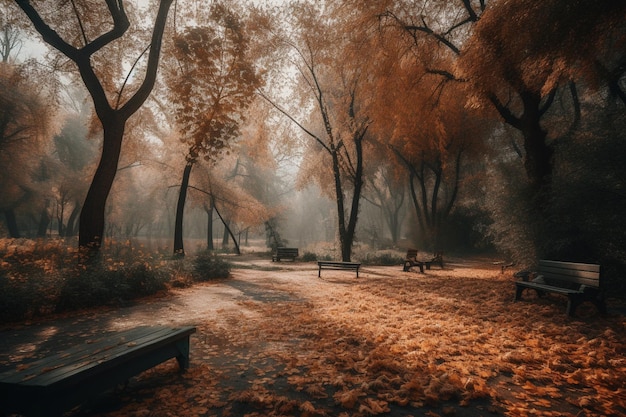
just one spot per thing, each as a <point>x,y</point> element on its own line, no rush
<point>451,126</point>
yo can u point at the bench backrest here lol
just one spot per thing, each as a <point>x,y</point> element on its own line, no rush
<point>287,251</point>
<point>570,274</point>
<point>411,253</point>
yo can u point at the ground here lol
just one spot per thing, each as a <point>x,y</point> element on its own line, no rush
<point>276,340</point>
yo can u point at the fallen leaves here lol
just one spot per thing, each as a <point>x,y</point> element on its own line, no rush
<point>417,343</point>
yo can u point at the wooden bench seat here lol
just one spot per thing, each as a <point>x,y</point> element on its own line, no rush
<point>285,253</point>
<point>580,282</point>
<point>58,382</point>
<point>411,261</point>
<point>338,265</point>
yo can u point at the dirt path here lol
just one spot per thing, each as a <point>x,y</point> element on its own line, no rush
<point>277,340</point>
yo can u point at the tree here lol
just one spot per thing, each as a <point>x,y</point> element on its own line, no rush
<point>25,123</point>
<point>93,34</point>
<point>212,83</point>
<point>332,84</point>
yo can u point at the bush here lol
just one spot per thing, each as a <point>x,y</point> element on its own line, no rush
<point>309,257</point>
<point>100,285</point>
<point>38,277</point>
<point>208,266</point>
<point>383,258</point>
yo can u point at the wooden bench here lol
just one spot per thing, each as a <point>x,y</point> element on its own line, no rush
<point>285,253</point>
<point>58,382</point>
<point>338,265</point>
<point>411,261</point>
<point>578,281</point>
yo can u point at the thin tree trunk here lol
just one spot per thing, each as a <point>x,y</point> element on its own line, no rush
<point>227,232</point>
<point>209,231</point>
<point>179,248</point>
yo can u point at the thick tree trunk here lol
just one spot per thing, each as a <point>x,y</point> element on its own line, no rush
<point>44,221</point>
<point>179,248</point>
<point>538,161</point>
<point>9,215</point>
<point>91,224</point>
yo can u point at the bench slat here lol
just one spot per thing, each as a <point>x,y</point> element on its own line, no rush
<point>285,253</point>
<point>125,350</point>
<point>567,278</point>
<point>337,265</point>
<point>50,385</point>
<point>76,354</point>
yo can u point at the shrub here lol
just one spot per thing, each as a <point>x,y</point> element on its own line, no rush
<point>208,266</point>
<point>309,257</point>
<point>383,258</point>
<point>38,277</point>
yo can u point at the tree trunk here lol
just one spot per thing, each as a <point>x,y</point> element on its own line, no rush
<point>344,242</point>
<point>9,215</point>
<point>44,221</point>
<point>91,224</point>
<point>209,230</point>
<point>227,232</point>
<point>70,230</point>
<point>179,249</point>
<point>538,162</point>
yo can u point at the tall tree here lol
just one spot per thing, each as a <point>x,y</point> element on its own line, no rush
<point>333,85</point>
<point>212,82</point>
<point>80,30</point>
<point>25,123</point>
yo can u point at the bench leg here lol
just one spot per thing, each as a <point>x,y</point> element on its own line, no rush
<point>183,354</point>
<point>600,305</point>
<point>518,292</point>
<point>357,272</point>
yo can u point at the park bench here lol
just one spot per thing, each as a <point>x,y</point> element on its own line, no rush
<point>580,282</point>
<point>285,253</point>
<point>411,261</point>
<point>338,265</point>
<point>58,382</point>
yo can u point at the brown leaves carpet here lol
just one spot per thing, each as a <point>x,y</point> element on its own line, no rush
<point>276,340</point>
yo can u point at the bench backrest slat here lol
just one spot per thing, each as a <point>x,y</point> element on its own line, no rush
<point>287,251</point>
<point>411,253</point>
<point>570,272</point>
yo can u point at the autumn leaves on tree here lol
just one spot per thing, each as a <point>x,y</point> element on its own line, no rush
<point>388,99</point>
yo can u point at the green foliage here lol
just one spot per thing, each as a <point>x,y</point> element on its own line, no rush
<point>208,266</point>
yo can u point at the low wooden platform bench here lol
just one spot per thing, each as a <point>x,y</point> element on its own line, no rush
<point>580,282</point>
<point>285,253</point>
<point>338,265</point>
<point>56,383</point>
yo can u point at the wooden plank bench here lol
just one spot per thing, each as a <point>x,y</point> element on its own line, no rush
<point>285,253</point>
<point>58,382</point>
<point>580,282</point>
<point>338,265</point>
<point>411,261</point>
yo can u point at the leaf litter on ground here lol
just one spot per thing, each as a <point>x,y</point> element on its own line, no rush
<point>448,342</point>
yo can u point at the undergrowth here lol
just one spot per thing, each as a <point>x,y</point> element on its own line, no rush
<point>46,276</point>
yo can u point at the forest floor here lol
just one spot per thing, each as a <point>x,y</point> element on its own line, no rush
<point>276,340</point>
